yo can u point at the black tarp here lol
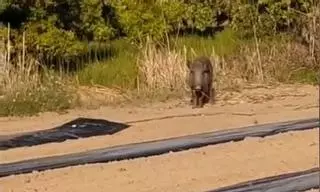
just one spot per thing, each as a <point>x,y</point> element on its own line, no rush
<point>75,129</point>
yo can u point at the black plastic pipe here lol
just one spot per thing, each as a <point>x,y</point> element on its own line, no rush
<point>158,147</point>
<point>290,182</point>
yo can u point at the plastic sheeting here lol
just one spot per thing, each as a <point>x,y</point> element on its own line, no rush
<point>75,129</point>
<point>290,182</point>
<point>158,147</point>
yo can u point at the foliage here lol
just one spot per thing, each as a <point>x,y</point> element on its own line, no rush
<point>199,15</point>
<point>269,17</point>
<point>112,42</point>
<point>139,19</point>
<point>4,4</point>
<point>44,37</point>
<point>92,21</point>
<point>51,22</point>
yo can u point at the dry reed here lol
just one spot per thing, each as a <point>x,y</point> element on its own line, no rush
<point>162,68</point>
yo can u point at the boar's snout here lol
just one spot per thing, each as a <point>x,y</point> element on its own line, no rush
<point>198,79</point>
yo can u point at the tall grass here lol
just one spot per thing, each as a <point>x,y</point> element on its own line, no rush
<point>223,43</point>
<point>162,69</point>
<point>26,91</point>
<point>151,71</point>
<point>155,70</point>
<point>117,70</point>
<point>154,64</point>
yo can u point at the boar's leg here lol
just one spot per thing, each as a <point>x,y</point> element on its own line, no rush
<point>206,94</point>
<point>202,98</point>
<point>194,99</point>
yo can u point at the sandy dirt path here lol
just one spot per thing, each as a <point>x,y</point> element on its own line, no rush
<point>232,116</point>
<point>193,170</point>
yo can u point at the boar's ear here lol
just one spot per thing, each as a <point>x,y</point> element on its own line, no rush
<point>188,64</point>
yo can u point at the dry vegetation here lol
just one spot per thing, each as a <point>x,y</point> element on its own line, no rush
<point>161,73</point>
<point>162,68</point>
<point>26,90</point>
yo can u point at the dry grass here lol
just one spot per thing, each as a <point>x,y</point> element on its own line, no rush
<point>162,68</point>
<point>20,75</point>
<point>265,61</point>
<point>26,91</point>
<point>162,75</point>
<point>92,97</point>
<point>314,27</point>
<point>278,61</point>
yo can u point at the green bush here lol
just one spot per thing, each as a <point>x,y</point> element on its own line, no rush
<point>57,28</point>
<point>269,17</point>
<point>45,38</point>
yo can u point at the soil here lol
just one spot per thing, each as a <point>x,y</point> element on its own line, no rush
<point>192,170</point>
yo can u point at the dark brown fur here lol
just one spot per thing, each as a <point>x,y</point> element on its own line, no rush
<point>200,81</point>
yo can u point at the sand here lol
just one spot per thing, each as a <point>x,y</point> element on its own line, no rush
<point>192,170</point>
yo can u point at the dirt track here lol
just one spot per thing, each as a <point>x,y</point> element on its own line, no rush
<point>192,170</point>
